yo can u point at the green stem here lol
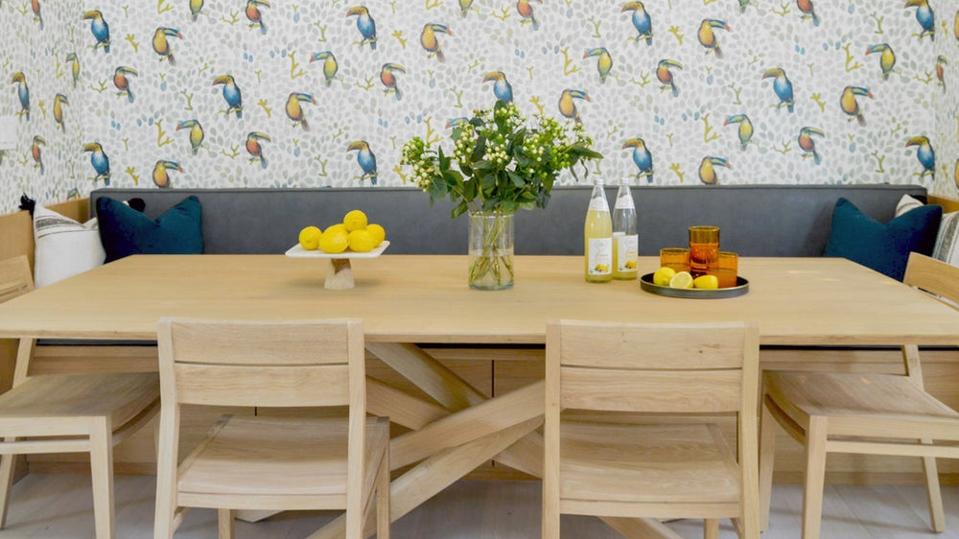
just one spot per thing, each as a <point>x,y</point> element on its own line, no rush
<point>490,262</point>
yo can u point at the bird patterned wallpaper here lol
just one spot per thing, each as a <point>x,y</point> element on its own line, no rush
<point>323,93</point>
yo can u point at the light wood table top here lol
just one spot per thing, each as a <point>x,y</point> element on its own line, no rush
<point>425,299</point>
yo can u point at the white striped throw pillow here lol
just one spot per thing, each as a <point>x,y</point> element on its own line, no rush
<point>947,242</point>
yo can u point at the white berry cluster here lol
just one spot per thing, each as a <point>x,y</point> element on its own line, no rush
<point>416,155</point>
<point>465,143</point>
<point>496,151</point>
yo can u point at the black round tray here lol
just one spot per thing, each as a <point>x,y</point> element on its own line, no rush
<point>741,288</point>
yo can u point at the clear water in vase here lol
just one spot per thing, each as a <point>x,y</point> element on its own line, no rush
<point>491,250</point>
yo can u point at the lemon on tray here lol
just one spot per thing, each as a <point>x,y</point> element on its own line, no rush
<point>681,280</point>
<point>706,282</point>
<point>355,220</point>
<point>663,276</point>
<point>378,233</point>
<point>339,227</point>
<point>334,242</point>
<point>362,241</point>
<point>310,238</point>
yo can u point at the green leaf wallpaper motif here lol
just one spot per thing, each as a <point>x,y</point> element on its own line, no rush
<point>283,93</point>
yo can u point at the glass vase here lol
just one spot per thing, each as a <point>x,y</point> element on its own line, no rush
<point>491,250</point>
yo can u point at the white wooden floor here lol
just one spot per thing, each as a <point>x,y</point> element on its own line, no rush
<point>60,507</point>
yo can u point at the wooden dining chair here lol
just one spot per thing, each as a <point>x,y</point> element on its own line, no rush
<point>68,413</point>
<point>264,462</point>
<point>657,471</point>
<point>867,414</point>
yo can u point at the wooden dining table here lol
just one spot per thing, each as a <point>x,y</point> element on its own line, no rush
<point>408,301</point>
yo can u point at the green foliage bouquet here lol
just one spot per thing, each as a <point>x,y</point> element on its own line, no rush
<point>499,164</point>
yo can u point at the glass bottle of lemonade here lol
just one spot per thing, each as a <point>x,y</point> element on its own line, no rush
<point>625,237</point>
<point>598,235</point>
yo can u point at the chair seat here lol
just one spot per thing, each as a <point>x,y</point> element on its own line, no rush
<point>850,396</point>
<point>647,464</point>
<point>274,456</point>
<point>120,396</point>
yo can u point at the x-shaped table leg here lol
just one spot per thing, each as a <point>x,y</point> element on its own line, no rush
<point>475,430</point>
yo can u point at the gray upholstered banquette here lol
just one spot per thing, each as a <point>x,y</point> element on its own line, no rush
<point>755,220</point>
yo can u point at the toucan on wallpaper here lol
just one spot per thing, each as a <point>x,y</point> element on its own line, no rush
<point>323,93</point>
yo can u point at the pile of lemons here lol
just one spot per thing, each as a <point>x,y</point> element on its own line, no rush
<point>669,277</point>
<point>354,233</point>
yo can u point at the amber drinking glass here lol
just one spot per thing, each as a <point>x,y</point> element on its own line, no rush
<point>703,249</point>
<point>726,269</point>
<point>675,258</point>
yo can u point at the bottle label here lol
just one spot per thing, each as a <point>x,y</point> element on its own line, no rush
<point>598,204</point>
<point>600,256</point>
<point>625,203</point>
<point>627,251</point>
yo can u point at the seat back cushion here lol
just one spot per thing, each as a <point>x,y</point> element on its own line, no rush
<point>947,244</point>
<point>64,247</point>
<point>756,220</point>
<point>883,247</point>
<point>126,231</point>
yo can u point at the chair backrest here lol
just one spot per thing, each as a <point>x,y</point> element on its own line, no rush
<point>265,364</point>
<point>933,276</point>
<point>15,278</point>
<point>936,278</point>
<point>653,368</point>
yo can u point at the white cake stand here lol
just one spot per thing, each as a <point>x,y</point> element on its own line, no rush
<point>339,275</point>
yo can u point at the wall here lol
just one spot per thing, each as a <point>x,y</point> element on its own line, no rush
<point>270,62</point>
<point>38,48</point>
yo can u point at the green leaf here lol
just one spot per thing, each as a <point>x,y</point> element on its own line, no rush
<point>459,209</point>
<point>479,151</point>
<point>518,180</point>
<point>584,152</point>
<point>469,190</point>
<point>443,161</point>
<point>483,166</point>
<point>437,189</point>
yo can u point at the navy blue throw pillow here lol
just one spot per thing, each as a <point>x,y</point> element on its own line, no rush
<point>882,247</point>
<point>125,231</point>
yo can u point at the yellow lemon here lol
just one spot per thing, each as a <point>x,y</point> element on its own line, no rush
<point>663,276</point>
<point>334,242</point>
<point>355,220</point>
<point>339,227</point>
<point>362,241</point>
<point>378,232</point>
<point>681,280</point>
<point>310,238</point>
<point>706,282</point>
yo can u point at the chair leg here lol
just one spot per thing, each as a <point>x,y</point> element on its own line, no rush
<point>225,524</point>
<point>383,516</point>
<point>711,529</point>
<point>550,512</point>
<point>767,461</point>
<point>101,467</point>
<point>936,515</point>
<point>8,465</point>
<point>156,438</point>
<point>815,477</point>
<point>164,522</point>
